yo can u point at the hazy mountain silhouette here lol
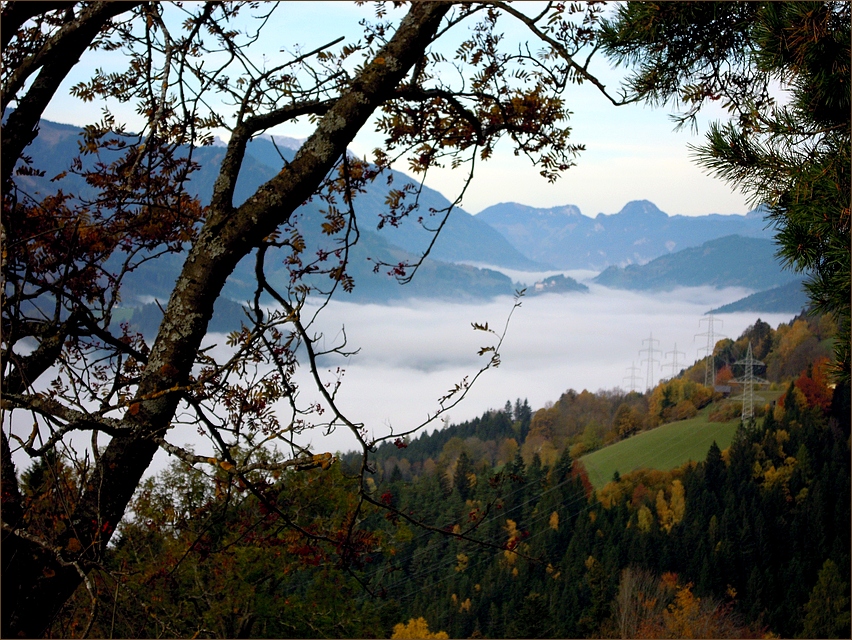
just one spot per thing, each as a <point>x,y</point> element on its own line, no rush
<point>640,232</point>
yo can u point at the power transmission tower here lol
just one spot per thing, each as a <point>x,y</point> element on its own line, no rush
<point>650,350</point>
<point>634,379</point>
<point>749,382</point>
<point>712,336</point>
<point>673,363</point>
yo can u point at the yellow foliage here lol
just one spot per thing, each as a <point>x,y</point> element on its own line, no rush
<point>577,450</point>
<point>590,562</point>
<point>554,521</point>
<point>645,519</point>
<point>780,476</point>
<point>506,451</point>
<point>682,615</point>
<point>677,399</point>
<point>417,629</point>
<point>669,514</point>
<point>471,480</point>
<point>792,338</point>
<point>465,606</point>
<point>678,502</point>
<point>512,542</point>
<point>613,493</point>
<point>548,453</point>
<point>463,561</point>
<point>664,514</point>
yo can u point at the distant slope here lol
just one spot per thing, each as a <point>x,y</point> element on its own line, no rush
<point>668,446</point>
<point>557,284</point>
<point>567,239</point>
<point>788,298</point>
<point>724,262</point>
<point>464,238</point>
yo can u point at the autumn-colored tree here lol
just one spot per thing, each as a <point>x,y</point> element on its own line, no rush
<point>67,254</point>
<point>648,606</point>
<point>724,375</point>
<point>813,383</point>
<point>677,399</point>
<point>199,556</point>
<point>417,629</point>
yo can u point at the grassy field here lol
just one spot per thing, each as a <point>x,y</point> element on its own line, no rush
<point>665,447</point>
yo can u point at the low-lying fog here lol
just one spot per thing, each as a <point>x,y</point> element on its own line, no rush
<point>412,354</point>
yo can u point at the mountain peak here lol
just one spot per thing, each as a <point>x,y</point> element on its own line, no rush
<point>512,211</point>
<point>644,208</point>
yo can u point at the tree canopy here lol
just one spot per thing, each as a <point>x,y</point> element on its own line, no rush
<point>78,371</point>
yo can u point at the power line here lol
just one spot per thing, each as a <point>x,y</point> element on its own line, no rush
<point>673,364</point>
<point>650,350</point>
<point>634,379</point>
<point>710,368</point>
<point>749,382</point>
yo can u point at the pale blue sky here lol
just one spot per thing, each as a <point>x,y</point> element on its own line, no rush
<point>632,152</point>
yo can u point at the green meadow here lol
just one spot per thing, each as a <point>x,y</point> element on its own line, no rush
<point>665,447</point>
<point>669,445</point>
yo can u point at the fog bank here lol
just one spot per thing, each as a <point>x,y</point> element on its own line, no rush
<point>411,355</point>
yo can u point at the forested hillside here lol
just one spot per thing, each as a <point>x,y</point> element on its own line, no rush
<point>752,540</point>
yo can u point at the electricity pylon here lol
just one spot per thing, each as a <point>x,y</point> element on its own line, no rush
<point>710,369</point>
<point>649,379</point>
<point>749,382</point>
<point>634,379</point>
<point>673,363</point>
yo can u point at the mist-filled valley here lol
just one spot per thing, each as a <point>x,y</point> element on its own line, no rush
<point>410,354</point>
<point>411,321</point>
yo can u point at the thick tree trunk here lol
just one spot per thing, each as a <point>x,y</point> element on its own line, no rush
<point>39,584</point>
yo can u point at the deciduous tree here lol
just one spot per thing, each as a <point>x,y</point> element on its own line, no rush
<point>190,70</point>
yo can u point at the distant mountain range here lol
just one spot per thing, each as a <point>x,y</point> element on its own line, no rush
<point>464,238</point>
<point>640,247</point>
<point>640,232</point>
<point>732,261</point>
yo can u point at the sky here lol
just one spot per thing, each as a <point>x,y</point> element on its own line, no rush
<point>632,151</point>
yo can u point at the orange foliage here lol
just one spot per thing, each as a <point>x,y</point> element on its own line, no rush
<point>686,615</point>
<point>724,375</point>
<point>578,470</point>
<point>813,383</point>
